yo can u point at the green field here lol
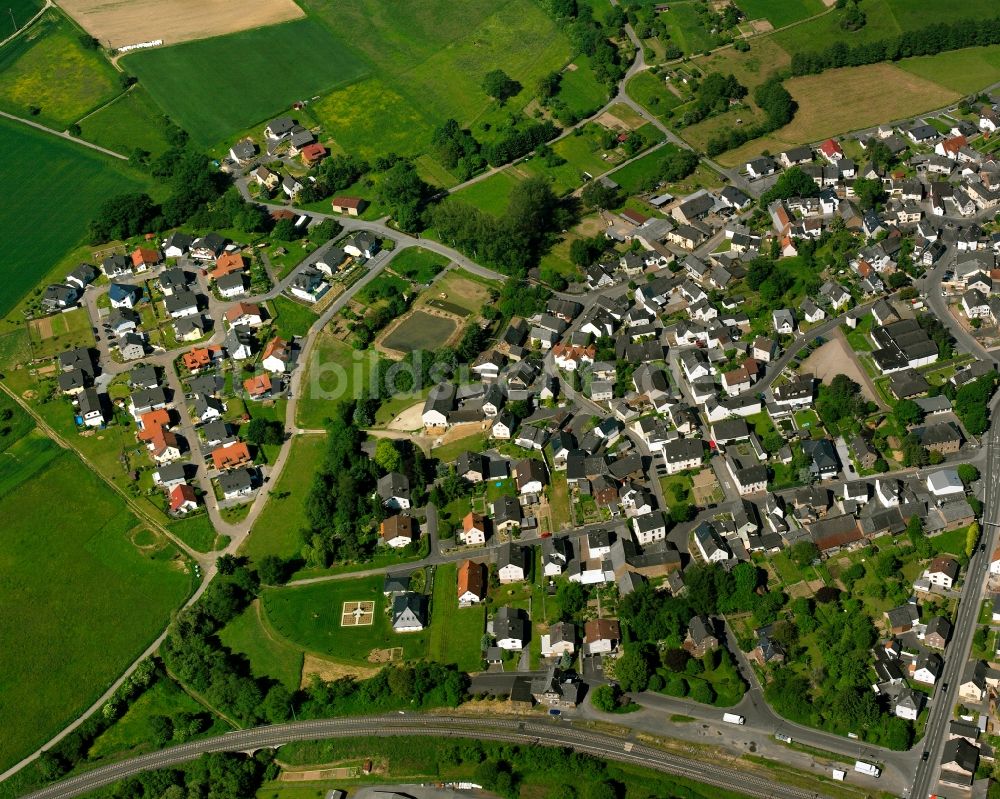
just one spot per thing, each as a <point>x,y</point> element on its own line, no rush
<point>23,10</point>
<point>104,598</point>
<point>268,656</point>
<point>653,93</point>
<point>686,28</point>
<point>334,374</point>
<point>418,264</point>
<point>490,195</point>
<point>217,87</point>
<point>633,177</point>
<point>963,71</point>
<point>48,69</point>
<point>580,90</point>
<point>309,617</point>
<point>456,633</point>
<point>131,121</point>
<point>276,531</point>
<point>885,18</point>
<point>24,458</point>
<point>49,214</point>
<point>781,12</point>
<point>292,318</point>
<point>197,532</point>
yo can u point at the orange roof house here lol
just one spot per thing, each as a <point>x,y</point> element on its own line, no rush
<point>258,385</point>
<point>241,309</point>
<point>200,357</point>
<point>231,456</point>
<point>182,498</point>
<point>228,262</point>
<point>152,423</point>
<point>313,153</point>
<point>471,582</point>
<point>144,256</point>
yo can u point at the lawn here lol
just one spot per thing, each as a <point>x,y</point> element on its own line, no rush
<point>858,338</point>
<point>334,374</point>
<point>309,617</point>
<point>104,599</point>
<point>420,331</point>
<point>580,90</point>
<point>50,70</point>
<point>455,633</point>
<point>781,12</point>
<point>205,83</point>
<point>687,30</point>
<point>652,92</point>
<point>448,452</point>
<point>276,531</point>
<point>292,318</point>
<point>197,532</point>
<point>42,221</point>
<point>491,194</point>
<point>635,177</point>
<point>418,264</point>
<point>131,121</point>
<point>268,656</point>
<point>964,71</point>
<point>584,152</point>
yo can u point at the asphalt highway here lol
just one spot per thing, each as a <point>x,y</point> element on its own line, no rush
<point>544,733</point>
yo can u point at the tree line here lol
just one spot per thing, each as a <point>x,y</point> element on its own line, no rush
<point>928,40</point>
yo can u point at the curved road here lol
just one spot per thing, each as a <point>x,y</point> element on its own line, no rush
<point>543,733</point>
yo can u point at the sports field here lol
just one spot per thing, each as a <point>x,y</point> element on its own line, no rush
<point>105,598</point>
<point>217,87</point>
<point>44,219</point>
<point>121,24</point>
<point>48,69</point>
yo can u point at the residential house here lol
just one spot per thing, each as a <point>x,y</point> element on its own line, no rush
<point>409,612</point>
<point>510,628</point>
<point>397,531</point>
<point>474,529</point>
<point>601,636</point>
<point>512,563</point>
<point>394,491</point>
<point>471,583</point>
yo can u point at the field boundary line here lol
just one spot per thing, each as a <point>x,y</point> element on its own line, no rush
<point>63,135</point>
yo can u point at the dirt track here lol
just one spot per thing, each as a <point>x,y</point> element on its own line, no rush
<point>117,23</point>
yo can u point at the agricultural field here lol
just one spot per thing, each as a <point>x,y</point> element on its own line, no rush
<point>48,69</point>
<point>370,118</point>
<point>173,21</point>
<point>310,617</point>
<point>781,12</point>
<point>420,331</point>
<point>22,11</point>
<point>863,102</point>
<point>42,222</point>
<point>885,18</point>
<point>276,531</point>
<point>116,567</point>
<point>204,83</point>
<point>964,71</point>
<point>131,121</point>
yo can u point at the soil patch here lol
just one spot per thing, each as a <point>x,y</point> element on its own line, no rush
<point>120,24</point>
<point>328,671</point>
<point>835,358</point>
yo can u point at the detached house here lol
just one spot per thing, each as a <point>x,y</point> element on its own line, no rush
<point>471,583</point>
<point>397,531</point>
<point>512,563</point>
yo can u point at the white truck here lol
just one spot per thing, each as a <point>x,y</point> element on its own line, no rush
<point>867,768</point>
<point>733,718</point>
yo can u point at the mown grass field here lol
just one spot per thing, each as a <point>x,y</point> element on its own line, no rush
<point>491,194</point>
<point>635,175</point>
<point>418,264</point>
<point>309,617</point>
<point>47,68</point>
<point>216,87</point>
<point>781,12</point>
<point>334,375</point>
<point>580,90</point>
<point>48,214</point>
<point>276,531</point>
<point>686,28</point>
<point>964,71</point>
<point>652,92</point>
<point>131,121</point>
<point>70,574</point>
<point>292,318</point>
<point>197,532</point>
<point>455,633</point>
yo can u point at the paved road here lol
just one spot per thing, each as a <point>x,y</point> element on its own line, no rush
<point>545,733</point>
